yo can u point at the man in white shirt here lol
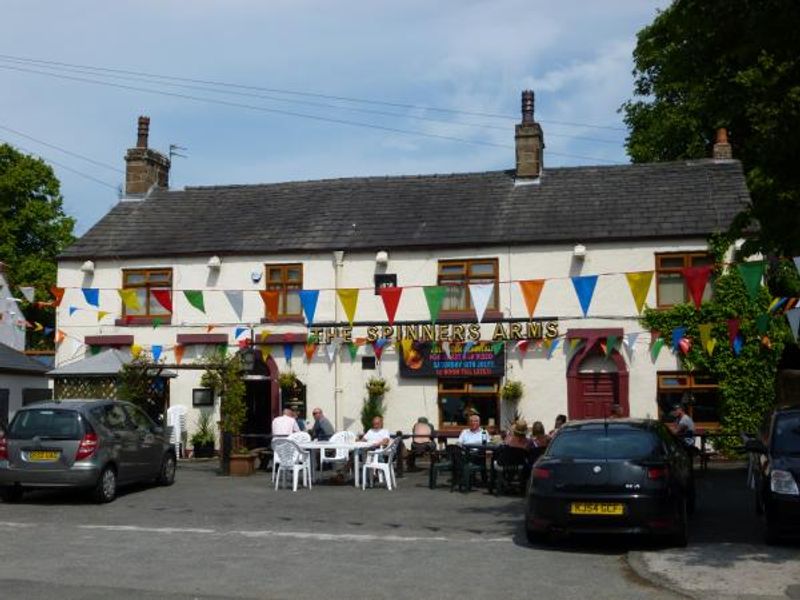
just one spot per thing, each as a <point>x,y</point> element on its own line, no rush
<point>378,436</point>
<point>285,424</point>
<point>475,434</point>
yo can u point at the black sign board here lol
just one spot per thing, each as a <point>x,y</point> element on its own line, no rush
<point>426,359</point>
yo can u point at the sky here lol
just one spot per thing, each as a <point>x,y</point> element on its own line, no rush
<point>433,71</point>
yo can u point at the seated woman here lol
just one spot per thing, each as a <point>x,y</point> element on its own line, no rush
<point>518,435</point>
<point>538,436</point>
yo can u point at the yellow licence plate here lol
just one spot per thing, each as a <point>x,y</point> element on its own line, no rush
<point>43,455</point>
<point>597,508</point>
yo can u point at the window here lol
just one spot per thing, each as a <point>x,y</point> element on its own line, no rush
<point>145,282</point>
<point>698,391</point>
<point>202,397</point>
<point>140,420</point>
<point>671,288</point>
<point>456,275</point>
<point>288,280</point>
<point>458,398</point>
<point>33,395</point>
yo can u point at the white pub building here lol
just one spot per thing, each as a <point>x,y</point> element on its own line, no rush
<point>447,286</point>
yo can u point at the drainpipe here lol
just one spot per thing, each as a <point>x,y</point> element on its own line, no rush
<point>338,257</point>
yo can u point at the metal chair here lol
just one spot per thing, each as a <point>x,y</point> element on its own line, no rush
<point>292,458</point>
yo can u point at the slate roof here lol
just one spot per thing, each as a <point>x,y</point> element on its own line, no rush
<point>107,363</point>
<point>14,361</point>
<point>573,204</point>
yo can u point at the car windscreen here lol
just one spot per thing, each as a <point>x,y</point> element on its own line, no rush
<point>45,423</point>
<point>786,436</point>
<point>605,443</point>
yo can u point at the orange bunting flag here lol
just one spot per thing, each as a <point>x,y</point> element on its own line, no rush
<point>349,299</point>
<point>310,349</point>
<point>58,294</point>
<point>531,290</point>
<point>271,300</point>
<point>179,350</point>
<point>210,328</point>
<point>59,337</point>
<point>639,282</point>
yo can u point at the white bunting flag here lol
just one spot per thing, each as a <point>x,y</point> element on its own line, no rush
<point>629,341</point>
<point>793,316</point>
<point>481,294</point>
<point>797,263</point>
<point>28,292</point>
<point>333,348</point>
<point>236,300</point>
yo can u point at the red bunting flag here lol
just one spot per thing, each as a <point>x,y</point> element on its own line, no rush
<point>271,299</point>
<point>696,280</point>
<point>391,299</point>
<point>164,298</point>
<point>58,294</point>
<point>733,330</point>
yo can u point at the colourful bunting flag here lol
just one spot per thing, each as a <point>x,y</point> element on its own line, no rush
<point>101,314</point>
<point>156,323</point>
<point>705,335</point>
<point>712,343</point>
<point>752,273</point>
<point>630,343</point>
<point>481,293</point>
<point>797,263</point>
<point>611,344</point>
<point>793,316</point>
<point>236,300</point>
<point>239,331</point>
<point>531,291</point>
<point>136,350</point>
<point>308,299</point>
<point>265,353</point>
<point>39,327</point>
<point>59,337</point>
<point>655,348</point>
<point>405,347</point>
<point>584,288</point>
<point>353,350</point>
<point>738,343</point>
<point>288,350</point>
<point>696,279</point>
<point>639,283</point>
<point>468,345</point>
<point>27,292</point>
<point>271,299</point>
<point>776,304</point>
<point>164,298</point>
<point>349,299</point>
<point>434,296</point>
<point>733,330</point>
<point>195,298</point>
<point>522,346</point>
<point>332,348</point>
<point>498,347</point>
<point>58,294</point>
<point>391,300</point>
<point>48,330</point>
<point>92,296</point>
<point>762,323</point>
<point>677,335</point>
<point>378,346</point>
<point>129,299</point>
<point>179,349</point>
<point>156,350</point>
<point>553,345</point>
<point>72,310</point>
<point>310,349</point>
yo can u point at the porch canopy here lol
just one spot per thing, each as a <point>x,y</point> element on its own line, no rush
<point>107,363</point>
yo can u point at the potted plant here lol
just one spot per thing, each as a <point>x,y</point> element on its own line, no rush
<point>373,405</point>
<point>203,439</point>
<point>512,391</point>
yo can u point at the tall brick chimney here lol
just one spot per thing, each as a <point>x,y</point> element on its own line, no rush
<point>145,168</point>
<point>529,141</point>
<point>722,148</point>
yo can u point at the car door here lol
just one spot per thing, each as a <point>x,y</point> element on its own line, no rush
<point>149,452</point>
<point>125,441</point>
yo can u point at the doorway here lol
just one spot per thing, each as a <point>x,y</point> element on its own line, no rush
<point>262,400</point>
<point>596,382</point>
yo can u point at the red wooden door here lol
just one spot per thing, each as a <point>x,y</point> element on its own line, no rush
<point>596,393</point>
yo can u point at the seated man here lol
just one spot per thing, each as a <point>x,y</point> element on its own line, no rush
<point>285,424</point>
<point>422,441</point>
<point>474,434</point>
<point>323,428</point>
<point>378,436</point>
<point>683,427</point>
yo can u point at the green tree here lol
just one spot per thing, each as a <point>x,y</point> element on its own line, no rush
<point>705,64</point>
<point>33,226</point>
<point>223,374</point>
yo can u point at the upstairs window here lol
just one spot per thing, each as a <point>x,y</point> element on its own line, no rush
<point>671,287</point>
<point>288,281</point>
<point>456,275</point>
<point>148,283</point>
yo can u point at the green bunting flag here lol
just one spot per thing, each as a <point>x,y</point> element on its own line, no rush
<point>195,298</point>
<point>762,323</point>
<point>497,347</point>
<point>752,273</point>
<point>611,344</point>
<point>434,295</point>
<point>353,349</point>
<point>655,349</point>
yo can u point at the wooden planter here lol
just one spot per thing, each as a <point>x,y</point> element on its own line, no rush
<point>242,465</point>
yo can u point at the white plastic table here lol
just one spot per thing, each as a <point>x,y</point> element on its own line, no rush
<point>349,446</point>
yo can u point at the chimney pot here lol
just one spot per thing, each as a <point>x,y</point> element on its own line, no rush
<point>527,107</point>
<point>143,133</point>
<point>722,149</point>
<point>529,141</point>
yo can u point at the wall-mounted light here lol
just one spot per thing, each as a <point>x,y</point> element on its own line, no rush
<point>88,267</point>
<point>382,258</point>
<point>214,262</point>
<point>579,251</point>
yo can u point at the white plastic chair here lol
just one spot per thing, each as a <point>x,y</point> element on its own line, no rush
<point>292,458</point>
<point>176,419</point>
<point>298,437</point>
<point>385,468</point>
<point>340,455</point>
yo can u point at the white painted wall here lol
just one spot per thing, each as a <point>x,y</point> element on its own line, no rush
<point>10,333</point>
<point>544,379</point>
<point>16,383</point>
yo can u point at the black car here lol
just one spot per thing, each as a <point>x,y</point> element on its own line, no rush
<point>777,473</point>
<point>615,476</point>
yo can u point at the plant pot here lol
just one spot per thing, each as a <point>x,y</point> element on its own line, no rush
<point>205,450</point>
<point>242,465</point>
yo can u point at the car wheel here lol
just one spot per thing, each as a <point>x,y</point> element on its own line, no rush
<point>106,488</point>
<point>167,474</point>
<point>536,536</point>
<point>12,493</point>
<point>771,532</point>
<point>680,538</point>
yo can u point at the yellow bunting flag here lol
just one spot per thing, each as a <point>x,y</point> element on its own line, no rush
<point>349,299</point>
<point>130,299</point>
<point>705,335</point>
<point>265,353</point>
<point>37,326</point>
<point>712,343</point>
<point>136,350</point>
<point>406,346</point>
<point>101,314</point>
<point>531,290</point>
<point>639,282</point>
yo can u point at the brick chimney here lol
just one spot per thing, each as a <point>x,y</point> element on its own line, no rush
<point>145,168</point>
<point>529,141</point>
<point>722,149</point>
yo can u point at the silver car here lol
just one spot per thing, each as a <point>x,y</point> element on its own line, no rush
<point>91,444</point>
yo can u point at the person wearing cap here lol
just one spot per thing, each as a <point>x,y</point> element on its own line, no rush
<point>518,435</point>
<point>683,427</point>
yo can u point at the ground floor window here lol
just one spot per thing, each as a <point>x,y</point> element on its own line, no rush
<point>698,391</point>
<point>458,398</point>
